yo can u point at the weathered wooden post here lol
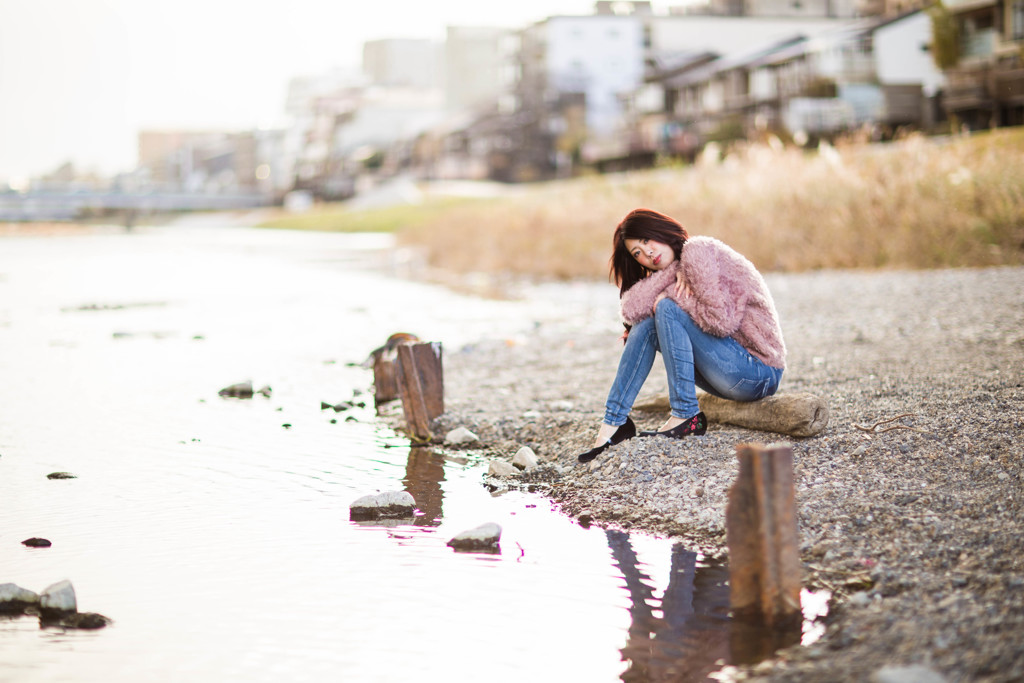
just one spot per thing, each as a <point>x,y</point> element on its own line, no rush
<point>420,386</point>
<point>761,532</point>
<point>385,380</point>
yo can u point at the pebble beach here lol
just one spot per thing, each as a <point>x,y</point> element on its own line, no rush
<point>909,502</point>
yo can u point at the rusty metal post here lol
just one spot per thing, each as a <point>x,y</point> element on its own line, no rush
<point>420,386</point>
<point>761,532</point>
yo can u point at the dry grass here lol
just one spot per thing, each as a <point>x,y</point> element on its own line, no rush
<point>916,203</point>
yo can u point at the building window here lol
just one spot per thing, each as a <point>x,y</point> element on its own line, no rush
<point>1017,20</point>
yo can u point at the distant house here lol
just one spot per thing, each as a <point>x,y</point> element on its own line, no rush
<point>986,84</point>
<point>910,80</point>
<point>876,71</point>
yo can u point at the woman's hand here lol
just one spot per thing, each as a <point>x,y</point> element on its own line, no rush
<point>682,288</point>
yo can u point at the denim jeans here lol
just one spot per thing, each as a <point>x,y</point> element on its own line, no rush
<point>693,358</point>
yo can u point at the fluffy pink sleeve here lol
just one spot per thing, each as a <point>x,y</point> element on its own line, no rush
<point>638,301</point>
<point>720,280</point>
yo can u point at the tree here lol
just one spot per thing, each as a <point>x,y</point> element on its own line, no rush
<point>945,36</point>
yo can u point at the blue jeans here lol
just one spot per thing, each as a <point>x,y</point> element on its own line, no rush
<point>693,358</point>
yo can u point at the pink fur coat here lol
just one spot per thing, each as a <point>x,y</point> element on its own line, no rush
<point>726,297</point>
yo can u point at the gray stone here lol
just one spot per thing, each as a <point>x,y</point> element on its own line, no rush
<point>500,468</point>
<point>483,537</point>
<point>14,598</point>
<point>59,597</point>
<point>460,436</point>
<point>390,504</point>
<point>907,674</point>
<point>525,458</point>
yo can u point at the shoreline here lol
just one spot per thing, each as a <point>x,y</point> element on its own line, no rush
<point>915,529</point>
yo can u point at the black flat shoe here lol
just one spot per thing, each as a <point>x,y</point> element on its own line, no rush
<point>625,431</point>
<point>696,425</point>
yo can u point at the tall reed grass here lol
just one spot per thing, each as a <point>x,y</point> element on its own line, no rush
<point>916,203</point>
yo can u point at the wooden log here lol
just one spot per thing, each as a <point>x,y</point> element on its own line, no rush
<point>420,386</point>
<point>796,414</point>
<point>761,533</point>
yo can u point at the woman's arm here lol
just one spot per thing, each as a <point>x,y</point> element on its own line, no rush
<point>638,301</point>
<point>717,284</point>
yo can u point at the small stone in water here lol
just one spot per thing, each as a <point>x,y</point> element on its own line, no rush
<point>485,536</point>
<point>82,620</point>
<point>240,390</point>
<point>36,542</point>
<point>14,598</point>
<point>388,504</point>
<point>59,597</point>
<point>60,475</point>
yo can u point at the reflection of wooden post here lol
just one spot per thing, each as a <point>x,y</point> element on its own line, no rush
<point>420,386</point>
<point>761,532</point>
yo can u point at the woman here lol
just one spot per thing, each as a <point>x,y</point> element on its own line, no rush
<point>705,308</point>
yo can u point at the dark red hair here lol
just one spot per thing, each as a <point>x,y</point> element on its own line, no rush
<point>642,224</point>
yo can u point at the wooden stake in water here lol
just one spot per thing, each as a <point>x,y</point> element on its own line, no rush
<point>420,386</point>
<point>385,381</point>
<point>761,532</point>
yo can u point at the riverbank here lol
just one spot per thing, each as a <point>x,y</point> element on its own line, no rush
<point>914,524</point>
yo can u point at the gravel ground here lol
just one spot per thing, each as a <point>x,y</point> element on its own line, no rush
<point>915,526</point>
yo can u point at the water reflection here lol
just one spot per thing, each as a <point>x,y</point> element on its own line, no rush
<point>424,473</point>
<point>693,635</point>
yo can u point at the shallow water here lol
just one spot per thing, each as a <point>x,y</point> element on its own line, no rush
<point>215,532</point>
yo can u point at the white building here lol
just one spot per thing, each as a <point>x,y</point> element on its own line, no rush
<point>601,56</point>
<point>902,55</point>
<point>472,66</point>
<point>404,62</point>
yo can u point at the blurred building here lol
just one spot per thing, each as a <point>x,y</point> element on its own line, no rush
<point>474,60</point>
<point>403,62</point>
<point>211,162</point>
<point>984,60</point>
<point>820,79</point>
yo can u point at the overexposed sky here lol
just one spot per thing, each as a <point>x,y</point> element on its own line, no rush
<point>79,78</point>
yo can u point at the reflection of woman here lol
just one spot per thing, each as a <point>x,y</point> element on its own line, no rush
<point>693,632</point>
<point>705,308</point>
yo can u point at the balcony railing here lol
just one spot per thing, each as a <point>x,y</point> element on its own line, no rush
<point>1008,86</point>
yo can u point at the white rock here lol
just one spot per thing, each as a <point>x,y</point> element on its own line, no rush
<point>531,415</point>
<point>59,597</point>
<point>561,405</point>
<point>907,674</point>
<point>459,436</point>
<point>500,468</point>
<point>11,593</point>
<point>484,536</point>
<point>525,458</point>
<point>387,504</point>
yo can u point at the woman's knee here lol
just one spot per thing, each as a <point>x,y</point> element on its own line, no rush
<point>668,310</point>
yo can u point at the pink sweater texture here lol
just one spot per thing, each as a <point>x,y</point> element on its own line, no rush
<point>727,298</point>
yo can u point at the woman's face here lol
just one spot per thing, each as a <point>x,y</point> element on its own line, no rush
<point>651,254</point>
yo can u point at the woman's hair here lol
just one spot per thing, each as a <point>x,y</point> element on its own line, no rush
<point>642,224</point>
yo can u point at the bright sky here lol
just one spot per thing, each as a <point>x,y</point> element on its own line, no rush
<point>79,78</point>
